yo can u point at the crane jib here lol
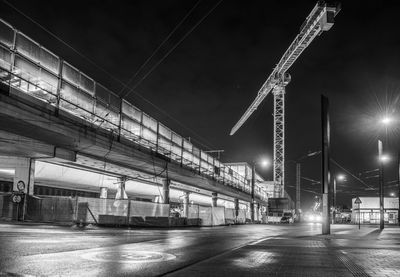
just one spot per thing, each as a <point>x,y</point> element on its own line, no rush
<point>320,19</point>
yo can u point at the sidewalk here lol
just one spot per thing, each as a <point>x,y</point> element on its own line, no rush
<point>365,252</point>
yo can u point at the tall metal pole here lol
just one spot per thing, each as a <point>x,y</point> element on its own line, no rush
<point>359,216</point>
<point>326,228</point>
<point>298,172</point>
<point>381,191</point>
<point>253,180</point>
<point>398,186</point>
<point>334,201</point>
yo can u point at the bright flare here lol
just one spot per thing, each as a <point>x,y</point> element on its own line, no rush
<point>341,177</point>
<point>264,163</point>
<point>384,158</point>
<point>386,120</point>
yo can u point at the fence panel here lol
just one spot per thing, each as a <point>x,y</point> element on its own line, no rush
<point>144,209</point>
<point>218,216</point>
<point>8,209</point>
<point>50,209</point>
<point>205,214</point>
<point>102,211</point>
<point>241,218</point>
<point>230,213</point>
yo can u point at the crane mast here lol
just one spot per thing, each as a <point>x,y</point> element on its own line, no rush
<point>320,19</point>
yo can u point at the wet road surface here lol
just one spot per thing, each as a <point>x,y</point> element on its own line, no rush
<point>245,250</point>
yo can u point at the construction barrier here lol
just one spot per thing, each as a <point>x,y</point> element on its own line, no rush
<point>50,209</point>
<point>218,216</point>
<point>8,209</point>
<point>113,212</point>
<point>230,216</point>
<point>241,218</point>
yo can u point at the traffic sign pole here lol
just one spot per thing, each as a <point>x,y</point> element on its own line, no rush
<point>358,202</point>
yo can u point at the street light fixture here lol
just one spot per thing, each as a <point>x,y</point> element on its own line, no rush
<point>384,158</point>
<point>386,120</point>
<point>341,177</point>
<point>264,163</point>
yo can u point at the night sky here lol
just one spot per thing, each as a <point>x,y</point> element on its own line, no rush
<point>207,82</point>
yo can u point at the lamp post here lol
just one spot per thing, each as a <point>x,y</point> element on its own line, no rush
<point>298,179</point>
<point>386,121</point>
<point>381,190</point>
<point>263,163</point>
<point>337,178</point>
<point>398,186</point>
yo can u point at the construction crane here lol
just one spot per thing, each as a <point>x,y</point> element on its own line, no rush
<point>319,20</point>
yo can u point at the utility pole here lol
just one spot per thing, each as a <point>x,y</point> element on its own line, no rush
<point>334,200</point>
<point>326,228</point>
<point>381,190</point>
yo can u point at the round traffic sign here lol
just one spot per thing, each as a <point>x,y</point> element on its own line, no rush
<point>16,198</point>
<point>21,186</point>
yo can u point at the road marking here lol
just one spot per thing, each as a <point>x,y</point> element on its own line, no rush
<point>128,256</point>
<point>258,241</point>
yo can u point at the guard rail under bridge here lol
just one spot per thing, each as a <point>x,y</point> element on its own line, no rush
<point>48,108</point>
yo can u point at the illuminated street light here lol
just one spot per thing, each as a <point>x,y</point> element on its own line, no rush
<point>384,158</point>
<point>392,194</point>
<point>341,177</point>
<point>386,120</point>
<point>265,163</point>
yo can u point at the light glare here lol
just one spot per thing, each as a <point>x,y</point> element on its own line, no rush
<point>386,120</point>
<point>264,163</point>
<point>341,177</point>
<point>384,158</point>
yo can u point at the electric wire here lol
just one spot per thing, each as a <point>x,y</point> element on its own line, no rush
<point>159,46</point>
<point>351,174</point>
<point>201,141</point>
<point>173,48</point>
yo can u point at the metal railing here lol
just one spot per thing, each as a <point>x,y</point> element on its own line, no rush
<point>32,69</point>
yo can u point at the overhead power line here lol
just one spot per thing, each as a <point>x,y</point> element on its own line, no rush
<point>201,141</point>
<point>173,48</point>
<point>159,46</point>
<point>351,174</point>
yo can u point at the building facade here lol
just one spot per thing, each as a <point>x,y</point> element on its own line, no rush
<point>367,212</point>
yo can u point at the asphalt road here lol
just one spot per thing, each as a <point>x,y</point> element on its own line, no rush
<point>43,250</point>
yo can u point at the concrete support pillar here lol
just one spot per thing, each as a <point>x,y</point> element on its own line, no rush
<point>252,211</point>
<point>257,211</point>
<point>165,191</point>
<point>214,198</point>
<point>121,193</point>
<point>24,175</point>
<point>103,192</point>
<point>186,204</point>
<point>236,203</point>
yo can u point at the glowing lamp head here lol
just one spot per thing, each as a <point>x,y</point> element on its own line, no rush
<point>386,120</point>
<point>264,163</point>
<point>384,158</point>
<point>341,177</point>
<point>392,194</point>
